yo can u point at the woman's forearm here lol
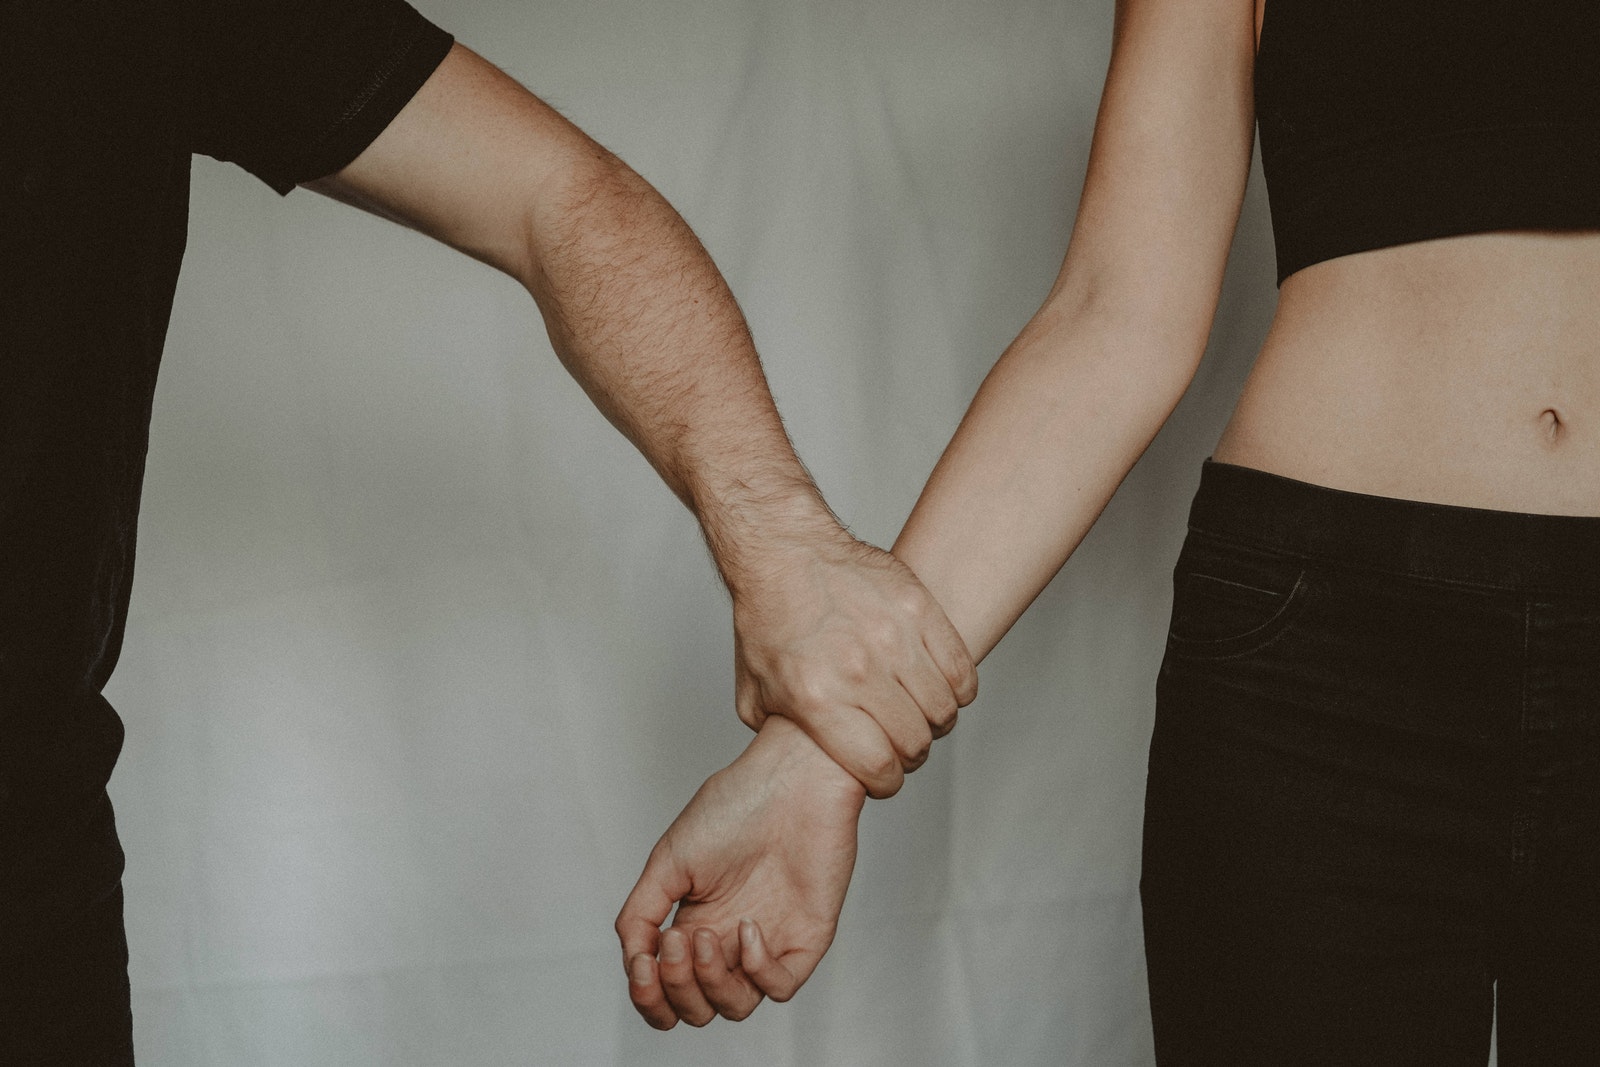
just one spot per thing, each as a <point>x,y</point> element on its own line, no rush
<point>1057,425</point>
<point>1080,394</point>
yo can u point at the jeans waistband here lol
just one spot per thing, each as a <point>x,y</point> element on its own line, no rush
<point>1440,542</point>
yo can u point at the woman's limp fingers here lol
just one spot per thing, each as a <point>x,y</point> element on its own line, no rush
<point>729,991</point>
<point>644,989</point>
<point>678,979</point>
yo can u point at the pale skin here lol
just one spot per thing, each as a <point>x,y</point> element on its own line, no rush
<point>1463,371</point>
<point>834,634</point>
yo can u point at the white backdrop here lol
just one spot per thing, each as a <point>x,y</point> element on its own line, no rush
<point>423,658</point>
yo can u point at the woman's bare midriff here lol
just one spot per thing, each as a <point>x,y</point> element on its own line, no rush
<point>1464,370</point>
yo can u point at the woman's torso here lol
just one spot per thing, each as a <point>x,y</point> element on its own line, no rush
<point>1462,370</point>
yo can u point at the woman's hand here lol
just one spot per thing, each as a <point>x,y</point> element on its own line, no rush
<point>757,864</point>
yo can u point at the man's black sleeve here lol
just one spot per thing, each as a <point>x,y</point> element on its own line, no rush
<point>293,90</point>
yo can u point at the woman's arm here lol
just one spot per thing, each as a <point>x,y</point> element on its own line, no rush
<point>1078,396</point>
<point>1055,428</point>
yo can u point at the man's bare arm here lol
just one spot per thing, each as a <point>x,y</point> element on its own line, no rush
<point>825,626</point>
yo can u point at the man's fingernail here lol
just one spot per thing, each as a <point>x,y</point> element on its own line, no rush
<point>639,970</point>
<point>747,931</point>
<point>703,946</point>
<point>672,947</point>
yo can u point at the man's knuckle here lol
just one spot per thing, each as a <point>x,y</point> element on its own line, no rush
<point>911,600</point>
<point>811,696</point>
<point>882,765</point>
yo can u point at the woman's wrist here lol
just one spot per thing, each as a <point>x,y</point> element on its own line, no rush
<point>787,750</point>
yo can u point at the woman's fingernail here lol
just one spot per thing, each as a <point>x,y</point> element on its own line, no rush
<point>704,946</point>
<point>672,947</point>
<point>639,970</point>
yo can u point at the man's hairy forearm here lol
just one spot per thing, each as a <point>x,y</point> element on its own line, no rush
<point>643,320</point>
<point>633,304</point>
<point>824,626</point>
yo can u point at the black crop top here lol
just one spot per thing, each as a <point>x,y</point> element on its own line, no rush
<point>1389,121</point>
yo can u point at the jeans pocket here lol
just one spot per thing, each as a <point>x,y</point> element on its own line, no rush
<point>1231,600</point>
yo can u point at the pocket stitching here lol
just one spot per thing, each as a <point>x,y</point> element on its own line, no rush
<point>1217,649</point>
<point>1273,593</point>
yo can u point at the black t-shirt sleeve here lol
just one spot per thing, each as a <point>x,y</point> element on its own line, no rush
<point>293,90</point>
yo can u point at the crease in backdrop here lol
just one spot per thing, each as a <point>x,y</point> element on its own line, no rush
<point>423,658</point>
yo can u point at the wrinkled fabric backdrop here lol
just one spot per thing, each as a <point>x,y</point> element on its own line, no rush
<point>423,658</point>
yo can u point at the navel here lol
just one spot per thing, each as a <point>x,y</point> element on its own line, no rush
<point>1551,426</point>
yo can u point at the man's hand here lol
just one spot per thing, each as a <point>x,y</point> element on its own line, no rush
<point>842,638</point>
<point>758,864</point>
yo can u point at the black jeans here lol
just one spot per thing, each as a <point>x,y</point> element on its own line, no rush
<point>64,996</point>
<point>1374,792</point>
